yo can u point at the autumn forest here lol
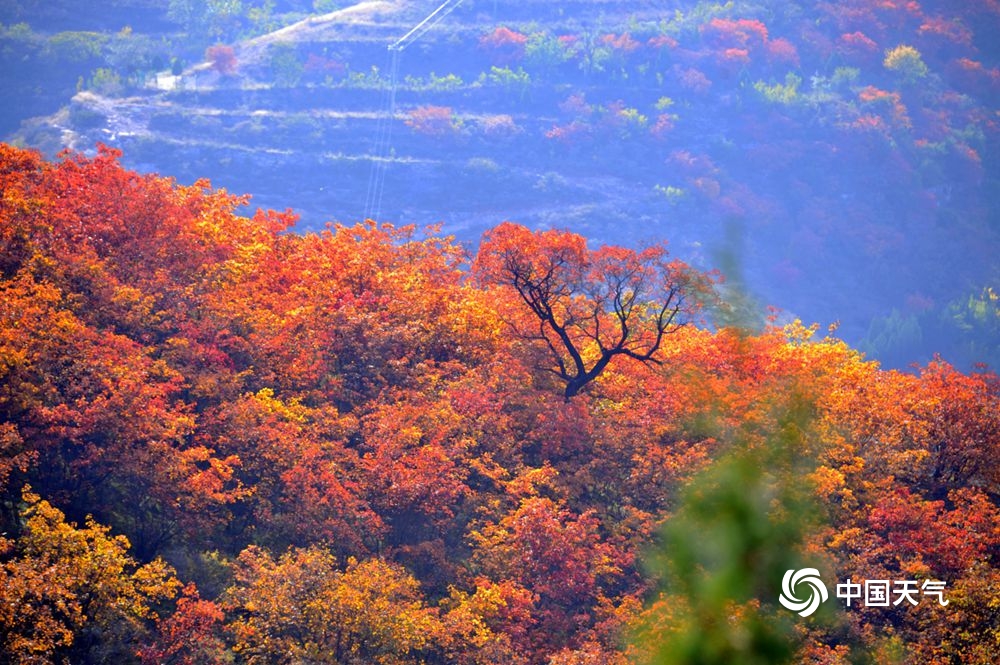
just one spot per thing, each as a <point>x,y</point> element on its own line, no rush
<point>225,442</point>
<point>668,334</point>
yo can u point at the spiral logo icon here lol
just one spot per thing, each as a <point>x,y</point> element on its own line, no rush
<point>817,591</point>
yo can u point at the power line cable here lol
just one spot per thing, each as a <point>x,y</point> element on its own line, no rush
<point>383,131</point>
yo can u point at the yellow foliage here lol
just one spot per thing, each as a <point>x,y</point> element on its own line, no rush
<point>302,606</point>
<point>67,578</point>
<point>907,61</point>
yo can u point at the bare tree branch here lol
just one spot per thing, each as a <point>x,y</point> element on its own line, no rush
<point>590,305</point>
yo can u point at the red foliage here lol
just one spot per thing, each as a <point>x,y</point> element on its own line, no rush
<point>569,42</point>
<point>504,45</point>
<point>192,635</point>
<point>623,42</point>
<point>869,123</point>
<point>619,303</point>
<point>849,16</point>
<point>782,51</point>
<point>661,42</point>
<point>410,462</point>
<point>949,30</point>
<point>576,105</point>
<point>945,538</point>
<point>318,65</point>
<point>911,7</point>
<point>222,59</point>
<point>663,126</point>
<point>972,74</point>
<point>431,120</point>
<point>500,126</point>
<point>570,134</point>
<point>691,79</point>
<point>559,558</point>
<point>870,95</point>
<point>857,44</point>
<point>736,33</point>
<point>692,164</point>
<point>355,401</point>
<point>736,55</point>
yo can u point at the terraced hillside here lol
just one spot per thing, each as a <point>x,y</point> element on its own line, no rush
<point>272,132</point>
<point>845,153</point>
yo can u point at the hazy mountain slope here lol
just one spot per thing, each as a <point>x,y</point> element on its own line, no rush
<point>844,153</point>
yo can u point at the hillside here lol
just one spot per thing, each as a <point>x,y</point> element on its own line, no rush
<point>844,153</point>
<point>222,442</point>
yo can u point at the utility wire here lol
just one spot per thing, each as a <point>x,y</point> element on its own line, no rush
<point>380,148</point>
<point>383,131</point>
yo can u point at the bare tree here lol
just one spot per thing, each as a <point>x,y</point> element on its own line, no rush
<point>589,306</point>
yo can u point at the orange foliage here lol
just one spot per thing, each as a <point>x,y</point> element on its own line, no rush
<point>351,441</point>
<point>736,33</point>
<point>623,42</point>
<point>433,121</point>
<point>875,97</point>
<point>604,303</point>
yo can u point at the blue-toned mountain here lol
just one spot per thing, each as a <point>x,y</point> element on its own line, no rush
<point>840,157</point>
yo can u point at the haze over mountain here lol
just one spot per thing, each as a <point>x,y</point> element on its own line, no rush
<point>841,155</point>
